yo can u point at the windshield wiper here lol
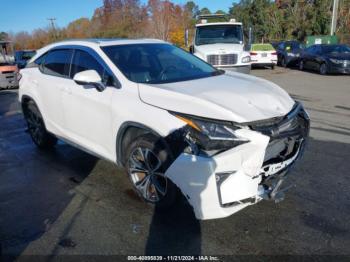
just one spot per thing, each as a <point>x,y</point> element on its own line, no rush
<point>218,72</point>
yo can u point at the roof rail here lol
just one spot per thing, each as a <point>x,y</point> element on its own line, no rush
<point>208,16</point>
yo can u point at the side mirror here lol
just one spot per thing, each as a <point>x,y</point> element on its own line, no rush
<point>191,49</point>
<point>89,77</point>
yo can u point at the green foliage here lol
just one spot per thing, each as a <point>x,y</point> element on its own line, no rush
<point>292,19</point>
<point>192,8</point>
<point>205,11</point>
<point>3,36</point>
<point>262,47</point>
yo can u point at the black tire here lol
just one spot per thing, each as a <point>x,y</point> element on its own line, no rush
<point>160,191</point>
<point>301,65</point>
<point>272,67</point>
<point>323,69</point>
<point>36,127</point>
<point>283,62</point>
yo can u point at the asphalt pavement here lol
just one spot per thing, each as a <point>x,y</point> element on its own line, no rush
<point>66,202</point>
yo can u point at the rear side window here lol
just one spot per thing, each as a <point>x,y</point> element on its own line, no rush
<point>37,62</point>
<point>57,63</point>
<point>83,61</point>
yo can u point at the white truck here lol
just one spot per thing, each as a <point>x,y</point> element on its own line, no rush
<point>220,44</point>
<point>8,69</point>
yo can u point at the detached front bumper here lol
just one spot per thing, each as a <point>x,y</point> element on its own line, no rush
<point>225,183</point>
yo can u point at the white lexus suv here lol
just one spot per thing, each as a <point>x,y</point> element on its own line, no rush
<point>176,124</point>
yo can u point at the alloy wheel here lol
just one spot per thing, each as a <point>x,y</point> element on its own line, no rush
<point>35,126</point>
<point>323,69</point>
<point>146,175</point>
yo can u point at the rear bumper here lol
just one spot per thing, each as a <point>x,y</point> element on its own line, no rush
<point>8,81</point>
<point>272,63</point>
<point>292,60</point>
<point>223,184</point>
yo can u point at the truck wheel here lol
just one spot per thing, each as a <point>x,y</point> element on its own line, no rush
<point>36,127</point>
<point>301,65</point>
<point>147,161</point>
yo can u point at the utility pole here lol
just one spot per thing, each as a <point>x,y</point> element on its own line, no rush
<point>334,16</point>
<point>52,22</point>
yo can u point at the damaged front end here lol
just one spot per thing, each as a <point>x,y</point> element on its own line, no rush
<point>222,167</point>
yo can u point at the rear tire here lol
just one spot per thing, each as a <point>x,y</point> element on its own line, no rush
<point>272,67</point>
<point>323,69</point>
<point>301,65</point>
<point>147,161</point>
<point>36,127</point>
<point>283,62</point>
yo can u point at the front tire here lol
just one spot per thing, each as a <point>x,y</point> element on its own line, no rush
<point>301,65</point>
<point>36,127</point>
<point>147,160</point>
<point>323,69</point>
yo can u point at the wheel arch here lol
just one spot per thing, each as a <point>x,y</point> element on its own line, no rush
<point>25,99</point>
<point>127,133</point>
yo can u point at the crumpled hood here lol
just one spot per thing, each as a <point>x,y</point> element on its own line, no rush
<point>233,96</point>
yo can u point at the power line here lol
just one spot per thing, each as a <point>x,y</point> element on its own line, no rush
<point>52,22</point>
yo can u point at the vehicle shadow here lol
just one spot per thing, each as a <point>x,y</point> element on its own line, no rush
<point>175,232</point>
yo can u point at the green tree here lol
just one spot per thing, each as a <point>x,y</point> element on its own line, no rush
<point>192,8</point>
<point>205,11</point>
<point>220,12</point>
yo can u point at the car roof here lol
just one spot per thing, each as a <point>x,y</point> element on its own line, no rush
<point>95,42</point>
<point>108,41</point>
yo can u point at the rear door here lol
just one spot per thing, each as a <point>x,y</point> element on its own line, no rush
<point>54,76</point>
<point>308,57</point>
<point>87,112</point>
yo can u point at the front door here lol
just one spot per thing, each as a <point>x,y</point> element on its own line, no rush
<point>87,112</point>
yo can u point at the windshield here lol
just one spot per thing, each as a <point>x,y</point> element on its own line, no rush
<point>336,49</point>
<point>215,34</point>
<point>26,55</point>
<point>6,54</point>
<point>158,63</point>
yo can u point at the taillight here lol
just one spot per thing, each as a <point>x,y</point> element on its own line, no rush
<point>274,53</point>
<point>253,53</point>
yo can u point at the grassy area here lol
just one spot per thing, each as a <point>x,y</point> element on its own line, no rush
<point>262,47</point>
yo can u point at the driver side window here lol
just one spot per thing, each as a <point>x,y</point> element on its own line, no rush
<point>83,61</point>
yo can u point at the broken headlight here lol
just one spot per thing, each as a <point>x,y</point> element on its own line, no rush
<point>211,135</point>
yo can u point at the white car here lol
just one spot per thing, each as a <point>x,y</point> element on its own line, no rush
<point>174,122</point>
<point>263,55</point>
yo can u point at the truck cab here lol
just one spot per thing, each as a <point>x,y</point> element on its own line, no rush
<point>8,69</point>
<point>221,44</point>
